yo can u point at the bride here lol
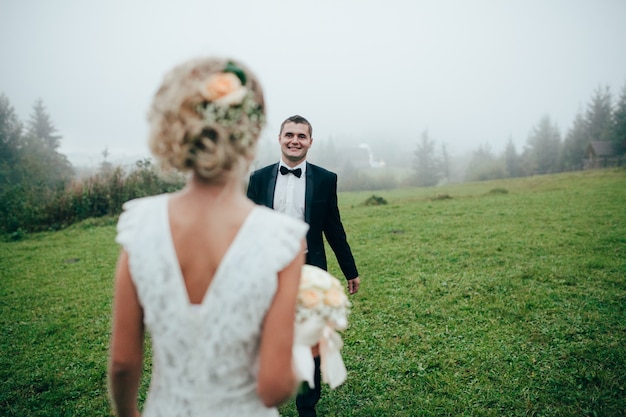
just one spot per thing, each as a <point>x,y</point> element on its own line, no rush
<point>212,277</point>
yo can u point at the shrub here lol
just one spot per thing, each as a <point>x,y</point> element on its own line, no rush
<point>374,200</point>
<point>498,191</point>
<point>102,194</point>
<point>441,197</point>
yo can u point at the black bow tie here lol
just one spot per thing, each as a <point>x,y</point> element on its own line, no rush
<point>284,170</point>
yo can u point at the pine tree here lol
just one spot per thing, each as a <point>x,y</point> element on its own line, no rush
<point>599,115</point>
<point>10,138</point>
<point>12,172</point>
<point>40,126</point>
<point>46,167</point>
<point>618,132</point>
<point>484,165</point>
<point>543,149</point>
<point>425,162</point>
<point>511,160</point>
<point>445,163</point>
<point>575,144</point>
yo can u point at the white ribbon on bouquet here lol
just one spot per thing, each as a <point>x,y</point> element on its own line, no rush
<point>309,333</point>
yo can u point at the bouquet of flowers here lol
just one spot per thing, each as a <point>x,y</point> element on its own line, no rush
<point>322,310</point>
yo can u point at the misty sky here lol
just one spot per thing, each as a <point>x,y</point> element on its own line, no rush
<point>471,72</point>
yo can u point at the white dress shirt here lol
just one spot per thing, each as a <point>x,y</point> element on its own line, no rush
<point>289,192</point>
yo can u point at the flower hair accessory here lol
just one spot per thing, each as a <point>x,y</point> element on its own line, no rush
<point>231,104</point>
<point>322,309</point>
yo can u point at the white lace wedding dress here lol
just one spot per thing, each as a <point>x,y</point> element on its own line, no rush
<point>204,355</point>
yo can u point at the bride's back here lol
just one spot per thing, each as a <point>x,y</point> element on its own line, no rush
<point>204,221</point>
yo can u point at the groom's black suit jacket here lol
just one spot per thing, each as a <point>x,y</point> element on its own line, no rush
<point>320,212</point>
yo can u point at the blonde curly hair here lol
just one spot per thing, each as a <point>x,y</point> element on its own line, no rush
<point>193,129</point>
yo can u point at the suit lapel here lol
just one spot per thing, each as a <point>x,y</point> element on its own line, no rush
<point>308,193</point>
<point>271,187</point>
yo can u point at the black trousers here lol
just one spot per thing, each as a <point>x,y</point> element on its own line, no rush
<point>308,397</point>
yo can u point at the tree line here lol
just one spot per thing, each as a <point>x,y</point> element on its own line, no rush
<point>545,151</point>
<point>38,186</point>
<point>39,189</point>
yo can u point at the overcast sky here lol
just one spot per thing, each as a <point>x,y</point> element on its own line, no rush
<point>471,72</point>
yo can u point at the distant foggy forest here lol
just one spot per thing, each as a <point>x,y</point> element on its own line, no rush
<point>596,138</point>
<point>41,190</point>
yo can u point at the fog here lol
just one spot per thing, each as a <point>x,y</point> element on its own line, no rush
<point>363,72</point>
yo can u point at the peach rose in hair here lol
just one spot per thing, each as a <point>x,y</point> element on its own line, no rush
<point>224,89</point>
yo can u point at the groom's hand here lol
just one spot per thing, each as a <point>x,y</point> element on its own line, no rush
<point>353,285</point>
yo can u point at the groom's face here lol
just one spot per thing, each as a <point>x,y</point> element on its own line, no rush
<point>295,141</point>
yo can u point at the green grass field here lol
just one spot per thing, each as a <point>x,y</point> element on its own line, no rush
<point>502,298</point>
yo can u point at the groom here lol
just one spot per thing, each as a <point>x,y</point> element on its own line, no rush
<point>307,192</point>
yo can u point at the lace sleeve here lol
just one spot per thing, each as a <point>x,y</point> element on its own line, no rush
<point>125,223</point>
<point>134,214</point>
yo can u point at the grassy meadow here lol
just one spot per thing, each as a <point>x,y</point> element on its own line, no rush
<point>501,298</point>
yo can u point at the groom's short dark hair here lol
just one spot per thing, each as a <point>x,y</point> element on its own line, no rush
<point>297,120</point>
